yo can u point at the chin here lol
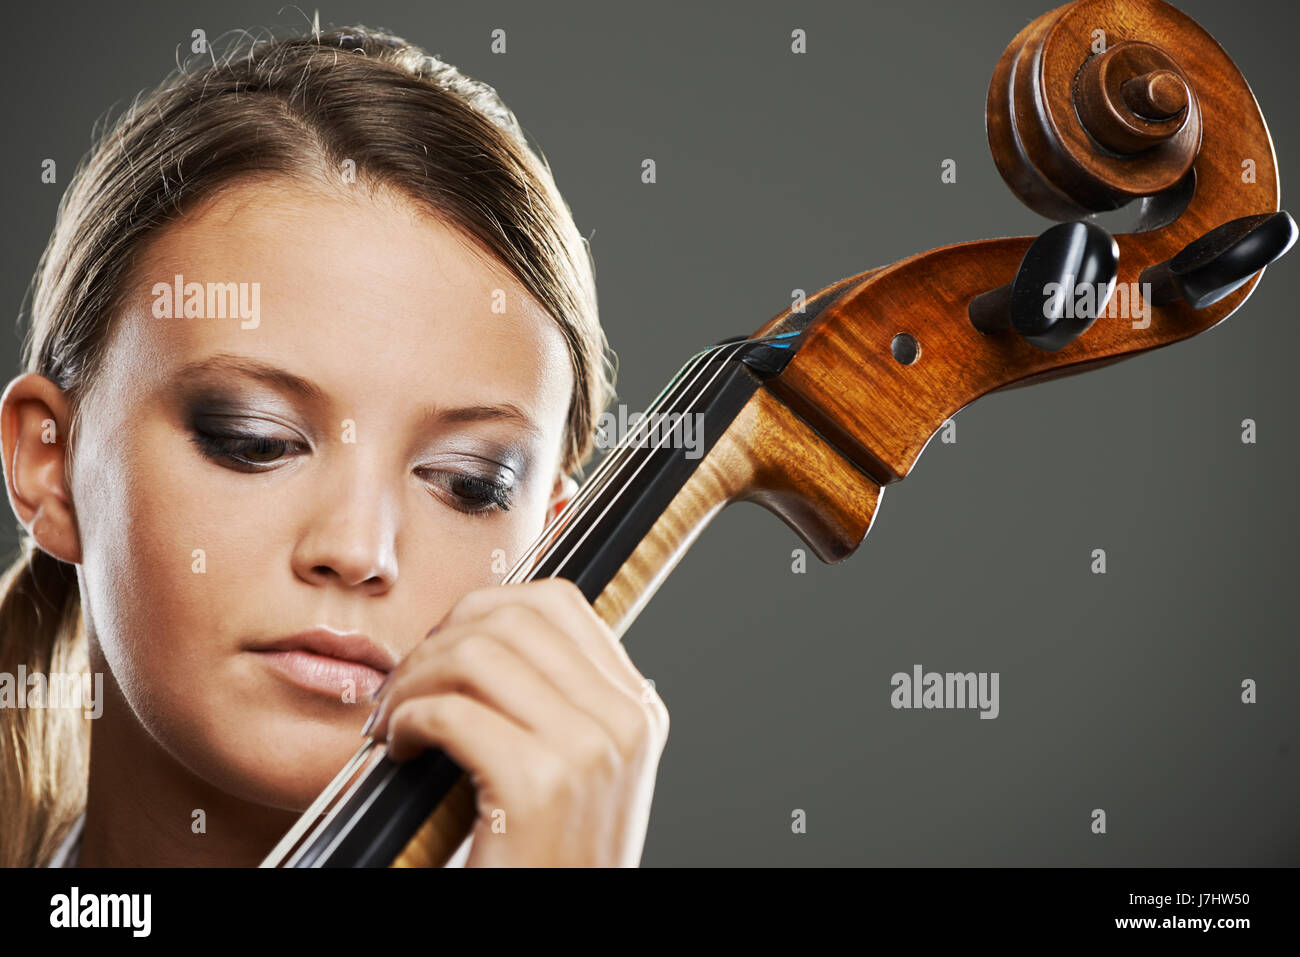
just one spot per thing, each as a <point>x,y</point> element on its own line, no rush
<point>282,760</point>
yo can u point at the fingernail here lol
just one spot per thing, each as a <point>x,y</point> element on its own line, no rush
<point>370,723</point>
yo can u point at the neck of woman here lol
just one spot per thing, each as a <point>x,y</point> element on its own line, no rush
<point>145,809</point>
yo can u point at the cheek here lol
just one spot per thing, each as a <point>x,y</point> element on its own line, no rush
<point>509,538</point>
<point>444,556</point>
<point>151,539</point>
<point>185,561</point>
<point>184,558</point>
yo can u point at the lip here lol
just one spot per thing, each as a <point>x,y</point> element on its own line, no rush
<point>329,662</point>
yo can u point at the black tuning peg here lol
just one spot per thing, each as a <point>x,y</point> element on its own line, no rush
<point>1220,261</point>
<point>1063,284</point>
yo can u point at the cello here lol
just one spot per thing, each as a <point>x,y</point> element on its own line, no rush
<point>1093,106</point>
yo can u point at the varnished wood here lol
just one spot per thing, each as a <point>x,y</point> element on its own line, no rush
<point>844,379</point>
<point>789,319</point>
<point>1072,132</point>
<point>1039,142</point>
<point>1134,97</point>
<point>768,456</point>
<point>445,830</point>
<point>1158,95</point>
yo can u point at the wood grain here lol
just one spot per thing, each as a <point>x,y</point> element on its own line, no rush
<point>844,380</point>
<point>768,456</point>
<point>817,444</point>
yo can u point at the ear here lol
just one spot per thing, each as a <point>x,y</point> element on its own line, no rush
<point>561,493</point>
<point>34,422</point>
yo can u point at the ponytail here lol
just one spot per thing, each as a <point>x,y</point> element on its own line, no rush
<point>44,751</point>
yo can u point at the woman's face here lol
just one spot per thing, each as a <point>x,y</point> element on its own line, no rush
<point>337,458</point>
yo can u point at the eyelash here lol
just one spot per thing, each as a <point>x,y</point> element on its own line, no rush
<point>490,495</point>
<point>227,449</point>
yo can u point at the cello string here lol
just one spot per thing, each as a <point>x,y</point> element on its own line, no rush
<point>303,824</point>
<point>381,751</point>
<point>598,478</point>
<point>324,855</point>
<point>591,487</point>
<point>623,455</point>
<point>591,526</point>
<point>597,481</point>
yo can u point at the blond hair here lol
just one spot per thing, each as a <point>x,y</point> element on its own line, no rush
<point>299,106</point>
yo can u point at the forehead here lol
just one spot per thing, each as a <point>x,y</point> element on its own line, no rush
<point>364,294</point>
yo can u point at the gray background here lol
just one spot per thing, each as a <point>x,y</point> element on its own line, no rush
<point>778,171</point>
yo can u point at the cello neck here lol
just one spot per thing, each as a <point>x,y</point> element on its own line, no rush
<point>700,446</point>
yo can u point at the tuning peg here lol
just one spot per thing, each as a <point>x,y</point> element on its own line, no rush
<point>1221,261</point>
<point>1064,282</point>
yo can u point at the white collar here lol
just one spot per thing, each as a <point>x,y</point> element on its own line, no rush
<point>70,849</point>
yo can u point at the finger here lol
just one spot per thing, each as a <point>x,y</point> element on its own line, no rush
<point>490,671</point>
<point>562,601</point>
<point>553,655</point>
<point>507,765</point>
<point>487,745</point>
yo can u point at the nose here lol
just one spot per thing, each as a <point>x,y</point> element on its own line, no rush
<point>350,537</point>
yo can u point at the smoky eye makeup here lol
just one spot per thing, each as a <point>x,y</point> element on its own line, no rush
<point>481,481</point>
<point>242,438</point>
<point>470,475</point>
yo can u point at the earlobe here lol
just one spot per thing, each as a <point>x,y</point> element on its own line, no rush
<point>34,420</point>
<point>561,492</point>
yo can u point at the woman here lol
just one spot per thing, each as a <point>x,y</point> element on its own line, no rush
<point>313,355</point>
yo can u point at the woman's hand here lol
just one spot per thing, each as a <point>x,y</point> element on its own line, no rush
<point>527,689</point>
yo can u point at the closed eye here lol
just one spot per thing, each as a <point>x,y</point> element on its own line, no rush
<point>242,451</point>
<point>466,492</point>
<point>469,493</point>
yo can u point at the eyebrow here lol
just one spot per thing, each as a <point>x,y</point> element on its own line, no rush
<point>228,364</point>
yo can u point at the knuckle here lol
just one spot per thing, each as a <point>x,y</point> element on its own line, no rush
<point>467,655</point>
<point>654,708</point>
<point>547,775</point>
<point>409,720</point>
<point>565,590</point>
<point>474,604</point>
<point>599,754</point>
<point>636,726</point>
<point>512,618</point>
<point>658,712</point>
